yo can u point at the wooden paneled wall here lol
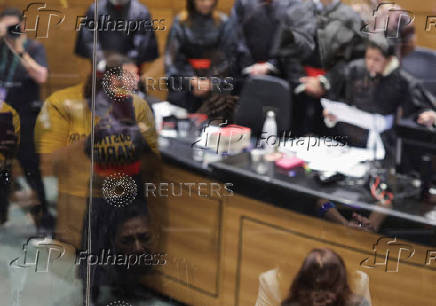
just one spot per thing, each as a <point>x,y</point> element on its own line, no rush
<point>67,69</point>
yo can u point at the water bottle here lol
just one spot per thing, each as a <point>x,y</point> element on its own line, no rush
<point>269,132</point>
<point>426,176</point>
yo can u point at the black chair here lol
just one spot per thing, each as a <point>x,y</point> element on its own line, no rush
<point>259,95</point>
<point>413,139</point>
<point>421,63</point>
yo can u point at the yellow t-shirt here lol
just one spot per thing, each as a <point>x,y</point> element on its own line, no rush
<point>4,109</point>
<point>64,120</point>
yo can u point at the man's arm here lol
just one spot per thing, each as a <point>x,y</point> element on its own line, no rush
<point>34,62</point>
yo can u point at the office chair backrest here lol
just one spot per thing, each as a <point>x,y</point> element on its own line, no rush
<point>421,63</point>
<point>259,95</point>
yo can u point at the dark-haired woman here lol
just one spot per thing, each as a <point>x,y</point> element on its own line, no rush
<point>198,56</point>
<point>322,281</point>
<point>377,87</point>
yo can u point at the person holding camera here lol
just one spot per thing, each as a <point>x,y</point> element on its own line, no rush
<point>23,67</point>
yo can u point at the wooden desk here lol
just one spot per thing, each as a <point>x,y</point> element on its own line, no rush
<point>217,247</point>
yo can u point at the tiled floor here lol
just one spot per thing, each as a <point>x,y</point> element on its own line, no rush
<point>59,286</point>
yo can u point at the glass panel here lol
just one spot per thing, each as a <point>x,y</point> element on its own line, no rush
<point>44,82</point>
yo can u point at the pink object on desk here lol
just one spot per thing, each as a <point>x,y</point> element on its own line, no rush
<point>289,163</point>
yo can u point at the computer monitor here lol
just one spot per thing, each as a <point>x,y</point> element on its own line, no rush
<point>259,95</point>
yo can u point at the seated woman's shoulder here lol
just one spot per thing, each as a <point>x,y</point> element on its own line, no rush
<point>182,16</point>
<point>358,300</point>
<point>221,16</point>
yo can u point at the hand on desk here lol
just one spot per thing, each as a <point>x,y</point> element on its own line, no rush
<point>361,223</point>
<point>427,118</point>
<point>370,224</point>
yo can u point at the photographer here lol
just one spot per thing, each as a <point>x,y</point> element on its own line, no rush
<point>23,67</point>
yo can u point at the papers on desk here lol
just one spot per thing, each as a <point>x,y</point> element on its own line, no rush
<point>165,109</point>
<point>375,123</point>
<point>323,155</point>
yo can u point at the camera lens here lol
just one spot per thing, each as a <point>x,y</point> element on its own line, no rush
<point>14,31</point>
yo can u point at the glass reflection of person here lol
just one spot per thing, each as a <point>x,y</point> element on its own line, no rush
<point>62,130</point>
<point>199,46</point>
<point>124,157</point>
<point>23,67</point>
<point>129,234</point>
